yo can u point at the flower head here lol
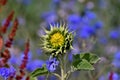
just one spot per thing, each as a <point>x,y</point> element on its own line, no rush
<point>52,64</point>
<point>7,72</point>
<point>57,40</point>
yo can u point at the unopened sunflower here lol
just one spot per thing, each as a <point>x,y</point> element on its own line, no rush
<point>57,40</point>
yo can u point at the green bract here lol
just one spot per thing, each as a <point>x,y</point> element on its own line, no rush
<point>58,40</point>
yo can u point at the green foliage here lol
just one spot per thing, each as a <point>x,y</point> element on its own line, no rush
<point>39,71</point>
<point>84,61</point>
<point>33,78</point>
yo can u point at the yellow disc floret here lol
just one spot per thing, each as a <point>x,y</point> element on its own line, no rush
<point>57,39</point>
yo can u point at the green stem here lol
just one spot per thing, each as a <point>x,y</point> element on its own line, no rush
<point>62,74</point>
<point>62,67</point>
<point>68,73</point>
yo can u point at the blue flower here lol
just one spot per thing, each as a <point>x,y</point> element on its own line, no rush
<point>116,60</point>
<point>52,64</point>
<point>86,31</point>
<point>117,56</point>
<point>114,34</point>
<point>34,64</point>
<point>6,72</point>
<point>73,18</point>
<point>90,15</point>
<point>98,25</point>
<point>73,21</point>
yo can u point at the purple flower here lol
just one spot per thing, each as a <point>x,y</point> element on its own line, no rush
<point>52,64</point>
<point>34,65</point>
<point>116,60</point>
<point>114,34</point>
<point>98,25</point>
<point>74,19</point>
<point>86,31</point>
<point>90,15</point>
<point>6,72</point>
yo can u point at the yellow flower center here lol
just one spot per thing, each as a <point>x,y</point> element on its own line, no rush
<point>57,39</point>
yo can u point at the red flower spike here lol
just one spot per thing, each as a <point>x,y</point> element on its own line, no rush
<point>13,32</point>
<point>18,77</point>
<point>3,2</point>
<point>6,54</point>
<point>25,58</point>
<point>22,72</point>
<point>27,78</point>
<point>9,18</point>
<point>2,62</point>
<point>111,76</point>
<point>1,42</point>
<point>24,62</point>
<point>8,44</point>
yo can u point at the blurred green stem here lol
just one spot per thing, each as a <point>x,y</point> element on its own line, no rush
<point>62,67</point>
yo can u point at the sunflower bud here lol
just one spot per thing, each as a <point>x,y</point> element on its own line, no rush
<point>57,40</point>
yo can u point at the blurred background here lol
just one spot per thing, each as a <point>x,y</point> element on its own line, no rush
<point>96,24</point>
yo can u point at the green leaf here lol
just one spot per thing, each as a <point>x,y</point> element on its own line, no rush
<point>84,61</point>
<point>92,58</point>
<point>83,64</point>
<point>39,71</point>
<point>33,78</point>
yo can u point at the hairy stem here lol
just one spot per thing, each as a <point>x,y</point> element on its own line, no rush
<point>62,68</point>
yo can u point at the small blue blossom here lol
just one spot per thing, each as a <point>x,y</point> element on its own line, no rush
<point>86,32</point>
<point>114,34</point>
<point>117,56</point>
<point>73,21</point>
<point>34,64</point>
<point>116,60</point>
<point>6,72</point>
<point>73,18</point>
<point>98,25</point>
<point>52,64</point>
<point>91,15</point>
